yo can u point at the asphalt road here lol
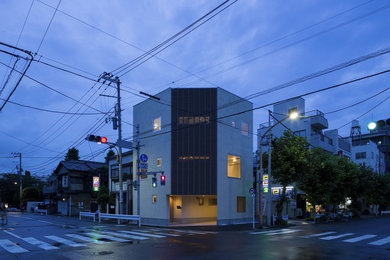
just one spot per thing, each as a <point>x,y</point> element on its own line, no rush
<point>30,236</point>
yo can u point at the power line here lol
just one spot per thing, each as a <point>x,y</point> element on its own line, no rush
<point>51,111</point>
<point>52,89</point>
<point>48,26</point>
<point>358,103</point>
<point>272,41</point>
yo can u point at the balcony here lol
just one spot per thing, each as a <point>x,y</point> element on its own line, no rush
<point>322,141</point>
<point>318,120</point>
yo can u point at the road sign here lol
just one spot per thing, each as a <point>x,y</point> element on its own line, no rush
<point>252,191</point>
<point>143,158</point>
<point>143,167</point>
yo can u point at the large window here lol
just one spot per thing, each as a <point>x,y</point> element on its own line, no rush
<point>157,124</point>
<point>241,204</point>
<point>234,166</point>
<point>361,155</point>
<point>244,128</point>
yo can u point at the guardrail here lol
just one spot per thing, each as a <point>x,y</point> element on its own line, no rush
<point>383,212</point>
<point>120,217</point>
<point>87,214</point>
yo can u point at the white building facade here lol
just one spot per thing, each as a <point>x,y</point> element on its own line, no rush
<point>205,154</point>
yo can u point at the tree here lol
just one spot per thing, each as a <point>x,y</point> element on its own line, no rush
<point>289,160</point>
<point>109,154</point>
<point>31,194</point>
<point>72,154</point>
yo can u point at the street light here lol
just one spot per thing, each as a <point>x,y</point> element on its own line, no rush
<point>293,115</point>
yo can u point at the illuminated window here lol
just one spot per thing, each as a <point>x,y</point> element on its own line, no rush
<point>157,124</point>
<point>234,166</point>
<point>159,160</point>
<point>154,199</point>
<point>244,128</point>
<point>241,204</point>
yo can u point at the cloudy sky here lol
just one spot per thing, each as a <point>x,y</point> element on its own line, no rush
<point>248,48</point>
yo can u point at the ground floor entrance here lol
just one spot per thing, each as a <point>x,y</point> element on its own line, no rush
<point>193,209</point>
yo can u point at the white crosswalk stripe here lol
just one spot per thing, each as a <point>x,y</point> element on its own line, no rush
<point>380,242</point>
<point>360,238</point>
<point>64,241</point>
<point>282,232</point>
<point>127,235</point>
<point>319,234</point>
<point>12,247</point>
<point>86,239</point>
<point>337,236</point>
<point>99,235</point>
<point>39,243</point>
<point>141,234</point>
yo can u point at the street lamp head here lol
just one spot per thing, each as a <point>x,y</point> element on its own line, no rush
<point>293,115</point>
<point>371,126</point>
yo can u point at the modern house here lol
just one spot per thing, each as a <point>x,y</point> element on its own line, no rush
<point>204,147</point>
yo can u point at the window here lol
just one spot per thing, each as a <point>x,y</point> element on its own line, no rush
<point>361,155</point>
<point>114,172</point>
<point>154,199</point>
<point>240,204</point>
<point>212,201</point>
<point>157,124</point>
<point>244,128</point>
<point>159,160</point>
<point>234,166</point>
<point>81,204</point>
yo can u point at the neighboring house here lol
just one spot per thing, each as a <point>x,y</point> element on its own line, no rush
<point>205,154</point>
<point>75,186</point>
<point>369,149</point>
<point>127,181</point>
<point>310,125</point>
<point>380,136</point>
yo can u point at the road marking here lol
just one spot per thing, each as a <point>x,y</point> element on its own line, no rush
<point>87,239</point>
<point>318,235</point>
<point>39,244</point>
<point>127,236</point>
<point>47,222</point>
<point>12,234</point>
<point>357,239</point>
<point>281,232</point>
<point>335,237</point>
<point>142,234</point>
<point>11,247</point>
<point>97,235</point>
<point>64,241</point>
<point>380,242</point>
<point>268,231</point>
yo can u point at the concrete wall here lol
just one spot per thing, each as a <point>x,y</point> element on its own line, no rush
<point>230,140</point>
<point>154,147</point>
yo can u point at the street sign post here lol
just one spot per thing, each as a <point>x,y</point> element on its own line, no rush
<point>252,192</point>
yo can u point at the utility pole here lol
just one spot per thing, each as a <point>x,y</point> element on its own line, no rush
<point>109,77</point>
<point>137,147</point>
<point>20,178</point>
<point>269,204</point>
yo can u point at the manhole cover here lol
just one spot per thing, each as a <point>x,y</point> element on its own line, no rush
<point>103,253</point>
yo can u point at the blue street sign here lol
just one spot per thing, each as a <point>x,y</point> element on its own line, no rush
<point>143,158</point>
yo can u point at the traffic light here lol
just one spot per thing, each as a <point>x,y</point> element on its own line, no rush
<point>97,139</point>
<point>162,179</point>
<point>378,125</point>
<point>154,182</point>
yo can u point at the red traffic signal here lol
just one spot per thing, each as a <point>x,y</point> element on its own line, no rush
<point>162,179</point>
<point>97,139</point>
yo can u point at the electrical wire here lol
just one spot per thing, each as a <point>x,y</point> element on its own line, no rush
<point>48,26</point>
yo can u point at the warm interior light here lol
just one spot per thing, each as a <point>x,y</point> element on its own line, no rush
<point>293,115</point>
<point>371,126</point>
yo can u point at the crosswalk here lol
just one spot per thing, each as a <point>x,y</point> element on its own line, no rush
<point>17,244</point>
<point>370,239</point>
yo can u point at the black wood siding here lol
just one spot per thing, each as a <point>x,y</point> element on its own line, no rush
<point>194,176</point>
